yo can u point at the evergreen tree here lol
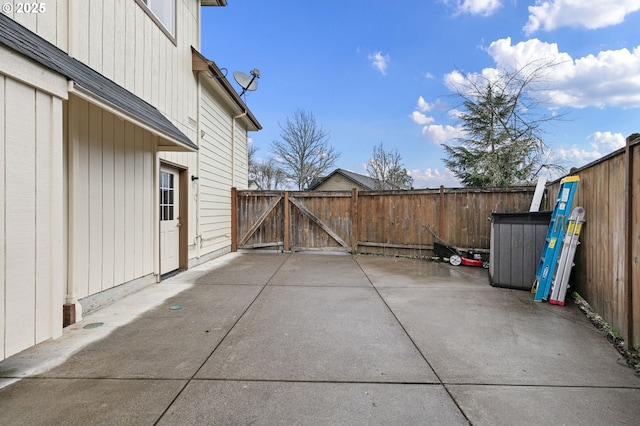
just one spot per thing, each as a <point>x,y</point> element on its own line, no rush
<point>502,145</point>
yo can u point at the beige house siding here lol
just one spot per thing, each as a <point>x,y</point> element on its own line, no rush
<point>241,163</point>
<point>31,221</point>
<point>112,200</point>
<point>118,39</point>
<point>216,173</point>
<point>79,222</point>
<point>52,24</point>
<point>339,183</point>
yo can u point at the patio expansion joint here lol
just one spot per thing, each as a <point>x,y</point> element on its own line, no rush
<point>539,385</point>
<point>192,378</point>
<point>336,382</point>
<point>122,379</point>
<point>415,345</point>
<point>317,286</point>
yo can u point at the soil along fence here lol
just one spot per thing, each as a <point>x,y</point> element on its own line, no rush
<point>606,271</point>
<point>379,222</point>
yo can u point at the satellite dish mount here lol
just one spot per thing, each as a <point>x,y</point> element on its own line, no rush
<point>246,82</point>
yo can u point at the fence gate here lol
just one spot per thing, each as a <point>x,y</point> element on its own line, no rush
<point>294,220</point>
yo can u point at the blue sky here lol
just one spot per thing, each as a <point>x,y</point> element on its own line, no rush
<point>382,71</point>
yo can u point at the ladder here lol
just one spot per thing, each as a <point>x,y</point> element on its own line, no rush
<point>565,263</point>
<point>551,249</point>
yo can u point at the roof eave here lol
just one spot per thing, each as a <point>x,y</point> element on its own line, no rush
<point>166,142</point>
<point>91,85</point>
<point>200,63</point>
<point>347,176</point>
<point>213,2</point>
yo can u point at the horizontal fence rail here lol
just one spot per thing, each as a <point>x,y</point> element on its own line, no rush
<point>379,222</point>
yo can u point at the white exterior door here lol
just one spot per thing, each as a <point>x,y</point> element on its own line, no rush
<point>169,220</point>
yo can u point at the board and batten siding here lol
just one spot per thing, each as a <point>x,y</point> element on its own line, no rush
<point>31,217</point>
<point>118,39</point>
<point>339,183</point>
<point>217,175</point>
<point>112,200</point>
<point>241,163</point>
<point>52,24</point>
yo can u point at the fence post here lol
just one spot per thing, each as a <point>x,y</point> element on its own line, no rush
<point>629,179</point>
<point>234,219</point>
<point>354,221</point>
<point>286,221</point>
<point>441,221</point>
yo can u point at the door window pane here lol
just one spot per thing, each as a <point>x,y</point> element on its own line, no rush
<point>166,196</point>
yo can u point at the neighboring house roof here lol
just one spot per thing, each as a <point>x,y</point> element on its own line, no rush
<point>361,180</point>
<point>29,44</point>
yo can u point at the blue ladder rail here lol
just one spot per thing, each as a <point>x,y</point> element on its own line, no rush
<point>553,242</point>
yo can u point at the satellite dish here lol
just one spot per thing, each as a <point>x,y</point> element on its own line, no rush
<point>246,82</point>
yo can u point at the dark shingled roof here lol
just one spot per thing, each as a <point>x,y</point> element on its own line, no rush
<point>361,180</point>
<point>29,44</point>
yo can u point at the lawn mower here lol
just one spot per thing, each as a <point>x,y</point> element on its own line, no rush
<point>456,257</point>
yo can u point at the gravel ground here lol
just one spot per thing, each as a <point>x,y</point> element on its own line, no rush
<point>630,355</point>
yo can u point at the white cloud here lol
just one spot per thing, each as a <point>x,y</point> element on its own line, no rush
<point>432,178</point>
<point>476,7</point>
<point>607,142</point>
<point>454,80</point>
<point>549,15</point>
<point>575,156</point>
<point>602,143</point>
<point>429,76</point>
<point>421,119</point>
<point>423,105</point>
<point>380,62</point>
<point>454,113</point>
<point>436,133</point>
<point>515,56</point>
<point>610,78</point>
<point>440,134</point>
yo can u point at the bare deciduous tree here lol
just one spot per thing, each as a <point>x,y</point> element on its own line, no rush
<point>265,174</point>
<point>303,152</point>
<point>268,175</point>
<point>387,169</point>
<point>251,159</point>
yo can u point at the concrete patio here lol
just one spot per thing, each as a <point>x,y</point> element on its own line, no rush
<point>323,339</point>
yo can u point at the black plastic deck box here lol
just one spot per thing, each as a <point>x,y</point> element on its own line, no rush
<point>517,240</point>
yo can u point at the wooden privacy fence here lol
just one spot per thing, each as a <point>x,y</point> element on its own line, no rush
<point>380,222</point>
<point>606,270</point>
